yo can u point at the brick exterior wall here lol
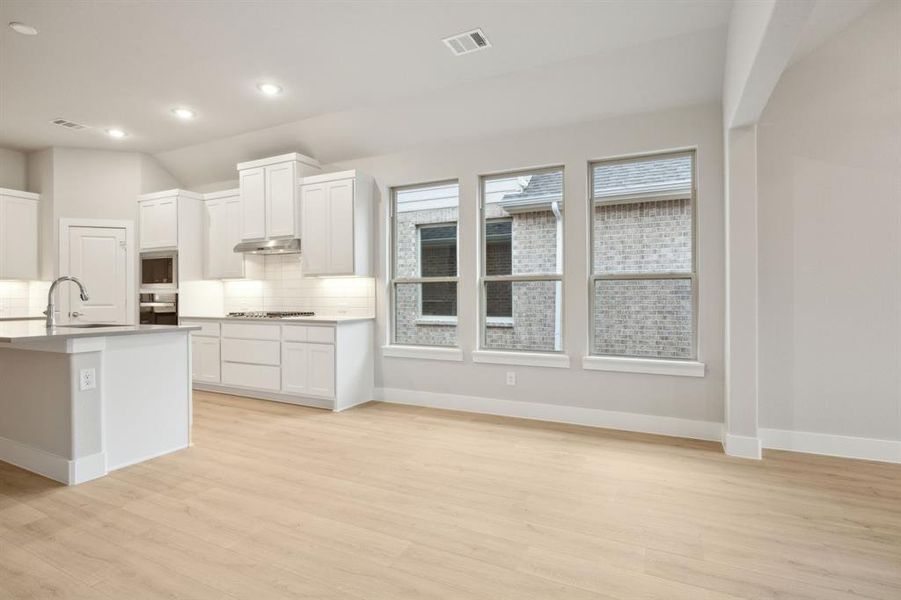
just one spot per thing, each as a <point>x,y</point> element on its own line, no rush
<point>651,318</point>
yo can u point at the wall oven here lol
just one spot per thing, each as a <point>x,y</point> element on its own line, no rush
<point>158,308</point>
<point>159,272</point>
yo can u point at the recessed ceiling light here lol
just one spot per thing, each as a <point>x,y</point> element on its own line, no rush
<point>184,113</point>
<point>116,133</point>
<point>270,89</point>
<point>23,28</point>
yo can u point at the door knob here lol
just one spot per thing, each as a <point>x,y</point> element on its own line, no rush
<point>75,314</point>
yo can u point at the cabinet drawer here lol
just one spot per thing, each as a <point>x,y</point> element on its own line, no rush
<point>256,352</point>
<point>251,376</point>
<point>308,333</point>
<point>321,335</point>
<point>208,328</point>
<point>250,331</point>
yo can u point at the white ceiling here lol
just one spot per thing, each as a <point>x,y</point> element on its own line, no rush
<point>360,77</point>
<point>127,64</point>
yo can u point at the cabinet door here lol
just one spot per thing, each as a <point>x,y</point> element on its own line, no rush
<point>253,203</point>
<point>341,227</point>
<point>205,365</point>
<point>223,222</point>
<point>314,222</point>
<point>321,378</point>
<point>281,186</point>
<point>295,367</point>
<point>18,238</point>
<point>159,223</point>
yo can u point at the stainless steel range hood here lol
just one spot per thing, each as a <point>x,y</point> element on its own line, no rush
<point>290,246</point>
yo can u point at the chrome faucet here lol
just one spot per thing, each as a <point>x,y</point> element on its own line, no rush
<point>51,318</point>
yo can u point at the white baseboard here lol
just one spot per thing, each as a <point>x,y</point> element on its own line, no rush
<point>35,460</point>
<point>832,445</point>
<point>593,417</point>
<point>742,446</point>
<point>87,468</point>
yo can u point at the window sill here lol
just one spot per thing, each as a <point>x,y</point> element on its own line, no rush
<point>499,322</point>
<point>436,321</point>
<point>652,366</point>
<point>526,359</point>
<point>423,352</point>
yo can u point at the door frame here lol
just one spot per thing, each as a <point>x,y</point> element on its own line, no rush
<point>130,265</point>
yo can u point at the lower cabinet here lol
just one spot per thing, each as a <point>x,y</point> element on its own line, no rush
<point>328,364</point>
<point>205,364</point>
<point>308,369</point>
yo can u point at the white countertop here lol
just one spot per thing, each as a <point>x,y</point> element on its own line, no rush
<point>30,331</point>
<point>313,319</point>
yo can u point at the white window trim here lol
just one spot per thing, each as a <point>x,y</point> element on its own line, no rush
<point>522,358</point>
<point>452,354</point>
<point>650,366</point>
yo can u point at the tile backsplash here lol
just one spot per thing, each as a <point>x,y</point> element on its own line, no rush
<point>23,298</point>
<point>283,288</point>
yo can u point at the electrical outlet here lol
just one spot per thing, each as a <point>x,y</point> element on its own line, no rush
<point>511,377</point>
<point>87,380</point>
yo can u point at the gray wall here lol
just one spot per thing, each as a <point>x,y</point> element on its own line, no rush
<point>829,153</point>
<point>12,170</point>
<point>572,146</point>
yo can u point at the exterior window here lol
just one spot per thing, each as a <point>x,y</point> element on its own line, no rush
<point>643,292</point>
<point>522,261</point>
<point>424,264</point>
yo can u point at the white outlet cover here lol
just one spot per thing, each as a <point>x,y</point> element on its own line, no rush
<point>87,380</point>
<point>511,378</point>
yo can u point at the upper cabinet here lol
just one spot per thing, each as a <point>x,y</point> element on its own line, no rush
<point>222,230</point>
<point>18,234</point>
<point>269,195</point>
<point>160,215</point>
<point>336,221</point>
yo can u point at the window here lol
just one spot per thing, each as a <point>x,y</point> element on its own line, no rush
<point>643,292</point>
<point>522,261</point>
<point>424,264</point>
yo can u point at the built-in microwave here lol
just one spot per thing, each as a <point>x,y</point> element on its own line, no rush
<point>159,271</point>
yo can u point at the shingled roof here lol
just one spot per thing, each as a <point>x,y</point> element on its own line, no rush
<point>648,175</point>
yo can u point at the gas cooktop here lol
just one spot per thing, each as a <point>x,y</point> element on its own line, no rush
<point>259,314</point>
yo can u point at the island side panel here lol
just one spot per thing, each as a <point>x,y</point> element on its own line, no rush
<point>35,411</point>
<point>147,397</point>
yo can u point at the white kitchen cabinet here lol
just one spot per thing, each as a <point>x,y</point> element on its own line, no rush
<point>269,195</point>
<point>323,364</point>
<point>205,365</point>
<point>222,231</point>
<point>308,369</point>
<point>336,224</point>
<point>159,223</point>
<point>18,234</point>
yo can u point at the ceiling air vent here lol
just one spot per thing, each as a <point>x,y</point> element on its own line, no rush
<point>69,124</point>
<point>465,43</point>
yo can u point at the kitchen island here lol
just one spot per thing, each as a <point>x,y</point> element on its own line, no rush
<point>78,402</point>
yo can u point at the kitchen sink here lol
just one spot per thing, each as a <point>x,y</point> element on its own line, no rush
<point>89,325</point>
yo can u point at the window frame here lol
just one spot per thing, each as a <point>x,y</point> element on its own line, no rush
<point>483,278</point>
<point>594,277</point>
<point>394,280</point>
<point>437,318</point>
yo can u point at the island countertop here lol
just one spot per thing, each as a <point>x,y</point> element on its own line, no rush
<point>12,332</point>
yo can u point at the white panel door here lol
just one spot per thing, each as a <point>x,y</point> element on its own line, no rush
<point>295,367</point>
<point>281,186</point>
<point>314,222</point>
<point>98,256</point>
<point>253,203</point>
<point>321,375</point>
<point>18,238</point>
<point>205,363</point>
<point>341,227</point>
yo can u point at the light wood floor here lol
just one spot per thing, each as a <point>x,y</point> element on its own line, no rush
<point>389,502</point>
